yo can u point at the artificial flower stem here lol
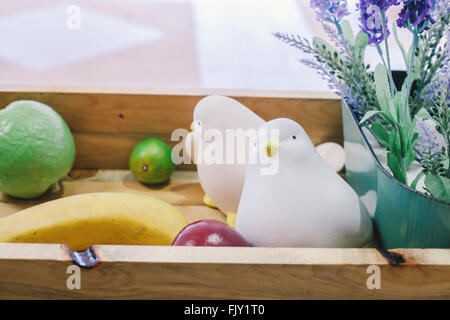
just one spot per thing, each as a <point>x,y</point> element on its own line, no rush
<point>410,70</point>
<point>391,81</point>
<point>388,58</point>
<point>380,52</point>
<point>338,26</point>
<point>448,157</point>
<point>400,45</point>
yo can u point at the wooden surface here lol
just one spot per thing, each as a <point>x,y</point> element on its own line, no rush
<point>36,271</point>
<point>143,272</point>
<point>106,126</point>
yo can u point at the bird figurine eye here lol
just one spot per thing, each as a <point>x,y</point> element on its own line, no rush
<point>294,137</point>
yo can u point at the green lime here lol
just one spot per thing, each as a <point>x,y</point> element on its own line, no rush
<point>36,149</point>
<point>151,161</point>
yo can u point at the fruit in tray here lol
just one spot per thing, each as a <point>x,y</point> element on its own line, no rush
<point>151,161</point>
<point>96,218</point>
<point>209,233</point>
<point>36,149</point>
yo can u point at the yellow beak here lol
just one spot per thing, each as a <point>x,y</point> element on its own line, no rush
<point>192,126</point>
<point>272,146</point>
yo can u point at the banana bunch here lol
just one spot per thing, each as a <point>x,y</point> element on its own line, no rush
<point>96,218</point>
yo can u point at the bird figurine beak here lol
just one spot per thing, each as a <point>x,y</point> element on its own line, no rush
<point>272,146</point>
<point>192,126</point>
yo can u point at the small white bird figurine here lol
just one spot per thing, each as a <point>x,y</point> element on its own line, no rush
<point>222,182</point>
<point>302,204</point>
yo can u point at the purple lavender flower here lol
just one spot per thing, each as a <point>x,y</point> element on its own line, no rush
<point>428,149</point>
<point>440,5</point>
<point>383,5</point>
<point>427,143</point>
<point>416,13</point>
<point>371,18</point>
<point>330,10</point>
<point>438,85</point>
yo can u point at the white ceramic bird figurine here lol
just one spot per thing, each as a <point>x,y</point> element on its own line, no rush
<point>223,183</point>
<point>305,203</point>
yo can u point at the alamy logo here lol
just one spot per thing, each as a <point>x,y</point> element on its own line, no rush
<point>234,146</point>
<point>374,281</point>
<point>74,280</point>
<point>374,19</point>
<point>73,21</point>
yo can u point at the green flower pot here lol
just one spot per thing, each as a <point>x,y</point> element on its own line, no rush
<point>403,217</point>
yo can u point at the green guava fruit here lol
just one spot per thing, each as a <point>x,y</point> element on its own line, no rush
<point>36,149</point>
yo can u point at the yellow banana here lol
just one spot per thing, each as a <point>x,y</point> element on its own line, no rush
<point>96,218</point>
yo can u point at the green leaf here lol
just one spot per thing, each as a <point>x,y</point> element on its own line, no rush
<point>399,104</point>
<point>382,88</point>
<point>411,128</point>
<point>361,43</point>
<point>410,158</point>
<point>380,133</point>
<point>371,113</point>
<point>438,186</point>
<point>324,46</point>
<point>394,144</point>
<point>402,141</point>
<point>416,180</point>
<point>412,142</point>
<point>393,111</point>
<point>368,115</point>
<point>394,165</point>
<point>347,32</point>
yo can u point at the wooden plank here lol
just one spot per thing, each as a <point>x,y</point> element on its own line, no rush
<point>34,271</point>
<point>112,151</point>
<point>150,113</point>
<point>108,125</point>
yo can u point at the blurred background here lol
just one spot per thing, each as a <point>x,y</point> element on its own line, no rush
<point>224,44</point>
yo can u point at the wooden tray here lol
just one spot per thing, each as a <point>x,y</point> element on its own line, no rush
<point>107,123</point>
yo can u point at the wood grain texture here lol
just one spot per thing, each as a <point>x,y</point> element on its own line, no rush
<point>112,151</point>
<point>34,271</point>
<point>108,125</point>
